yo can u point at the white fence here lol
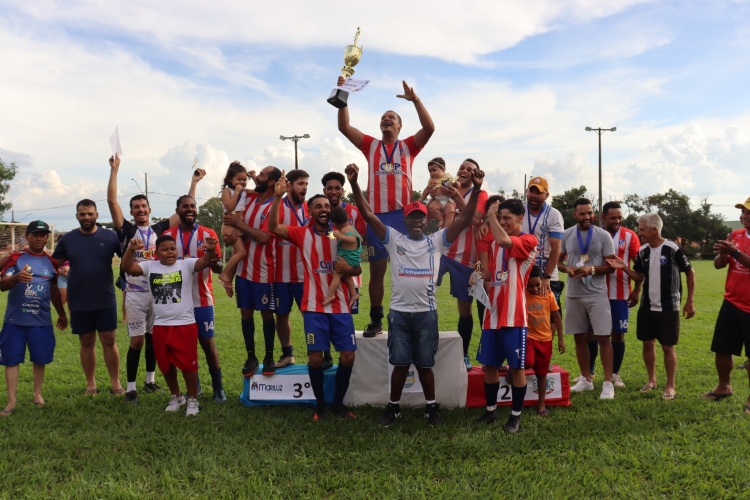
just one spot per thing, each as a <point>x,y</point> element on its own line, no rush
<point>13,237</point>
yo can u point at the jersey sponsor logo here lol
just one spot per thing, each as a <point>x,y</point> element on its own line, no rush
<point>325,267</point>
<point>411,272</point>
<point>32,291</point>
<point>623,243</point>
<point>310,338</point>
<point>390,168</point>
<point>284,243</point>
<point>400,250</point>
<point>663,260</point>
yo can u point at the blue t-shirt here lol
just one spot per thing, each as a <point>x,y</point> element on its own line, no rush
<point>90,279</point>
<point>29,303</point>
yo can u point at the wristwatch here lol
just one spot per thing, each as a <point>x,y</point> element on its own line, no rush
<point>736,253</point>
<point>546,276</point>
<point>593,270</point>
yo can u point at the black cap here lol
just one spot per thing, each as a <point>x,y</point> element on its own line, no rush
<point>37,226</point>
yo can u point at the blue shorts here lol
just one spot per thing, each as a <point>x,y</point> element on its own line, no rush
<point>459,278</point>
<point>15,338</point>
<point>98,320</point>
<point>496,346</point>
<point>412,338</point>
<point>62,282</point>
<point>286,295</point>
<point>204,318</point>
<point>620,315</point>
<point>254,296</point>
<point>322,330</point>
<point>375,249</point>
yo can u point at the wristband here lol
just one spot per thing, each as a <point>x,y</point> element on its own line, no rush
<point>736,253</point>
<point>546,276</point>
<point>593,270</point>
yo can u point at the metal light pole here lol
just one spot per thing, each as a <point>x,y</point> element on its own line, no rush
<point>296,139</point>
<point>139,187</point>
<point>600,131</point>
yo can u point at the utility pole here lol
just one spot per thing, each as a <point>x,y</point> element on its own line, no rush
<point>296,139</point>
<point>600,131</point>
<point>146,174</point>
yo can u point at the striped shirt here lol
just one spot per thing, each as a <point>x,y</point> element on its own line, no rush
<point>627,245</point>
<point>463,249</point>
<point>389,183</point>
<point>190,244</point>
<point>289,265</point>
<point>662,265</point>
<point>258,265</point>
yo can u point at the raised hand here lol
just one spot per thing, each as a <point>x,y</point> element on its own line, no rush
<point>135,244</point>
<point>280,188</point>
<point>352,172</point>
<point>114,162</point>
<point>340,81</point>
<point>198,174</point>
<point>477,177</point>
<point>492,211</point>
<point>408,94</point>
<point>209,244</point>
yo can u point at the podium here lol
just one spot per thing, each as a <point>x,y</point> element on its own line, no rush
<point>557,387</point>
<point>288,386</point>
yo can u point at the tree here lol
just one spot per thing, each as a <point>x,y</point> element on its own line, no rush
<point>210,214</point>
<point>564,203</point>
<point>7,173</point>
<point>515,195</point>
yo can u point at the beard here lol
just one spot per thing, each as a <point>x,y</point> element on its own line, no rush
<point>261,188</point>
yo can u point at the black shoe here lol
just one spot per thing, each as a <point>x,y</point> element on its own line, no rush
<point>392,412</point>
<point>320,412</point>
<point>327,361</point>
<point>373,329</point>
<point>152,387</point>
<point>489,417</point>
<point>432,415</point>
<point>269,366</point>
<point>131,397</point>
<point>513,425</point>
<point>251,366</point>
<point>340,410</point>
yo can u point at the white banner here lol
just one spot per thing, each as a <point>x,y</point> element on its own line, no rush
<point>412,383</point>
<point>553,389</point>
<point>352,85</point>
<point>281,387</point>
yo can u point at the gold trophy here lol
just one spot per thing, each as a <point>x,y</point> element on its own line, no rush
<point>195,164</point>
<point>352,55</point>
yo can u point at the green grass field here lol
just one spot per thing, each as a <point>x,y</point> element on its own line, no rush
<point>636,446</point>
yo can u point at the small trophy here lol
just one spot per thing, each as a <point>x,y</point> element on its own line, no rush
<point>195,163</point>
<point>352,55</point>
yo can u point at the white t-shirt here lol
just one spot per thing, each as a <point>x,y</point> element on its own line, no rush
<point>414,268</point>
<point>172,290</point>
<point>548,224</point>
<point>241,201</point>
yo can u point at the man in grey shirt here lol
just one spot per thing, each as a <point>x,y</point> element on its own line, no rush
<point>585,248</point>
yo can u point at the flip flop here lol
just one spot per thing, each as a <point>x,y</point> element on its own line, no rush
<point>712,396</point>
<point>38,404</point>
<point>118,392</point>
<point>648,388</point>
<point>747,409</point>
<point>544,413</point>
<point>228,287</point>
<point>667,396</point>
<point>7,413</point>
<point>91,392</point>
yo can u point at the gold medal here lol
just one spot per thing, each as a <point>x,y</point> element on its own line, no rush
<point>585,258</point>
<point>388,167</point>
<point>331,236</point>
<point>504,277</point>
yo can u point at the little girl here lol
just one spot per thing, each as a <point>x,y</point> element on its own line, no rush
<point>440,208</point>
<point>234,198</point>
<point>349,249</point>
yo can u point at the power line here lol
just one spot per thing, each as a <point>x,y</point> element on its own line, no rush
<point>71,205</point>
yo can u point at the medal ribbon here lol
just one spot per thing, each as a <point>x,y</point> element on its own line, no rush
<point>532,229</point>
<point>389,159</point>
<point>186,249</point>
<point>147,240</point>
<point>301,221</point>
<point>584,249</point>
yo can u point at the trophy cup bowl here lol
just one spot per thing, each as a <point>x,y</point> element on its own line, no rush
<point>352,55</point>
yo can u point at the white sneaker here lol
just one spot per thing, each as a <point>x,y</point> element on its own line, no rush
<point>175,402</point>
<point>581,377</point>
<point>608,391</point>
<point>617,381</point>
<point>192,408</point>
<point>582,385</point>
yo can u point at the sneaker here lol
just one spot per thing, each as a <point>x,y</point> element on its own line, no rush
<point>219,396</point>
<point>285,361</point>
<point>514,424</point>
<point>341,411</point>
<point>327,361</point>
<point>320,412</point>
<point>582,385</point>
<point>432,415</point>
<point>392,412</point>
<point>175,402</point>
<point>489,417</point>
<point>192,408</point>
<point>608,391</point>
<point>742,366</point>
<point>131,397</point>
<point>617,381</point>
<point>251,366</point>
<point>373,329</point>
<point>269,366</point>
<point>581,377</point>
<point>152,387</point>
<point>467,362</point>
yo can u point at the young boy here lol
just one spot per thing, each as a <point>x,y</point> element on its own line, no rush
<point>539,338</point>
<point>349,249</point>
<point>175,331</point>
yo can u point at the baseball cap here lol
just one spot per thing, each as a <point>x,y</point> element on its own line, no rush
<point>37,226</point>
<point>415,205</point>
<point>540,183</point>
<point>744,205</point>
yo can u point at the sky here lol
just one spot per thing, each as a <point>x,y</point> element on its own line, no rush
<point>511,84</point>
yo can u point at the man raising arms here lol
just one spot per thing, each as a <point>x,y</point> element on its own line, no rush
<point>389,185</point>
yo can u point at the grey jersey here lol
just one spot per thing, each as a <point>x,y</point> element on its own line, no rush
<point>601,245</point>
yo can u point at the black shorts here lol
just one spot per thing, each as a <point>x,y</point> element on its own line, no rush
<point>557,288</point>
<point>663,326</point>
<point>731,331</point>
<point>99,320</point>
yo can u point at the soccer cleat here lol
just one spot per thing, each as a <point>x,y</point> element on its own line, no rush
<point>320,412</point>
<point>251,366</point>
<point>269,366</point>
<point>582,385</point>
<point>152,387</point>
<point>327,361</point>
<point>341,411</point>
<point>373,329</point>
<point>467,362</point>
<point>617,381</point>
<point>608,391</point>
<point>432,415</point>
<point>285,361</point>
<point>175,402</point>
<point>489,417</point>
<point>192,407</point>
<point>131,397</point>
<point>514,424</point>
<point>392,412</point>
<point>219,396</point>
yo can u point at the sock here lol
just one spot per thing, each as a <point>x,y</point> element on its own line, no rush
<point>343,375</point>
<point>327,355</point>
<point>248,332</point>
<point>376,314</point>
<point>465,327</point>
<point>131,387</point>
<point>395,402</point>
<point>150,377</point>
<point>150,358</point>
<point>316,381</point>
<point>518,394</point>
<point>216,379</point>
<point>593,353</point>
<point>287,351</point>
<point>480,312</point>
<point>131,364</point>
<point>618,349</point>
<point>432,402</point>
<point>490,395</point>
<point>269,334</point>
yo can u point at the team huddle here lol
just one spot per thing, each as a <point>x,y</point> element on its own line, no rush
<point>287,249</point>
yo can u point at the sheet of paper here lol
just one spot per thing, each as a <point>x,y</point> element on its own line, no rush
<point>352,85</point>
<point>114,141</point>
<point>477,291</point>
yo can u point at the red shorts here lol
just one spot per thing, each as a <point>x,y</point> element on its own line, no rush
<point>538,356</point>
<point>176,346</point>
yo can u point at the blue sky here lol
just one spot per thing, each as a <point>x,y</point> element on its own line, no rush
<point>509,83</point>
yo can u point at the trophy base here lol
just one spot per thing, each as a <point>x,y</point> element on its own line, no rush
<point>338,98</point>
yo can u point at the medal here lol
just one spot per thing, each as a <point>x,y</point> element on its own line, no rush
<point>585,258</point>
<point>584,248</point>
<point>331,236</point>
<point>389,158</point>
<point>504,277</point>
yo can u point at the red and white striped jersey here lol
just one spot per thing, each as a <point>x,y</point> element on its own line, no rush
<point>258,265</point>
<point>289,266</point>
<point>190,244</point>
<point>356,220</point>
<point>509,299</point>
<point>463,249</point>
<point>389,183</point>
<point>627,245</point>
<point>319,255</point>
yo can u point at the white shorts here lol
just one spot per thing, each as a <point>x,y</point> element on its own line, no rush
<point>588,313</point>
<point>139,307</point>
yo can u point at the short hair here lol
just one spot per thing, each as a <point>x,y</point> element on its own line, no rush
<point>315,197</point>
<point>296,174</point>
<point>652,220</point>
<point>161,239</point>
<point>397,116</point>
<point>179,200</point>
<point>471,161</point>
<point>536,272</point>
<point>581,201</point>
<point>610,205</point>
<point>138,197</point>
<point>86,203</point>
<point>335,176</point>
<point>339,215</point>
<point>494,198</point>
<point>513,206</point>
<point>437,161</point>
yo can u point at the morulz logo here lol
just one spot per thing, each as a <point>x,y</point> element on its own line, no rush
<point>410,272</point>
<point>261,387</point>
<point>325,267</point>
